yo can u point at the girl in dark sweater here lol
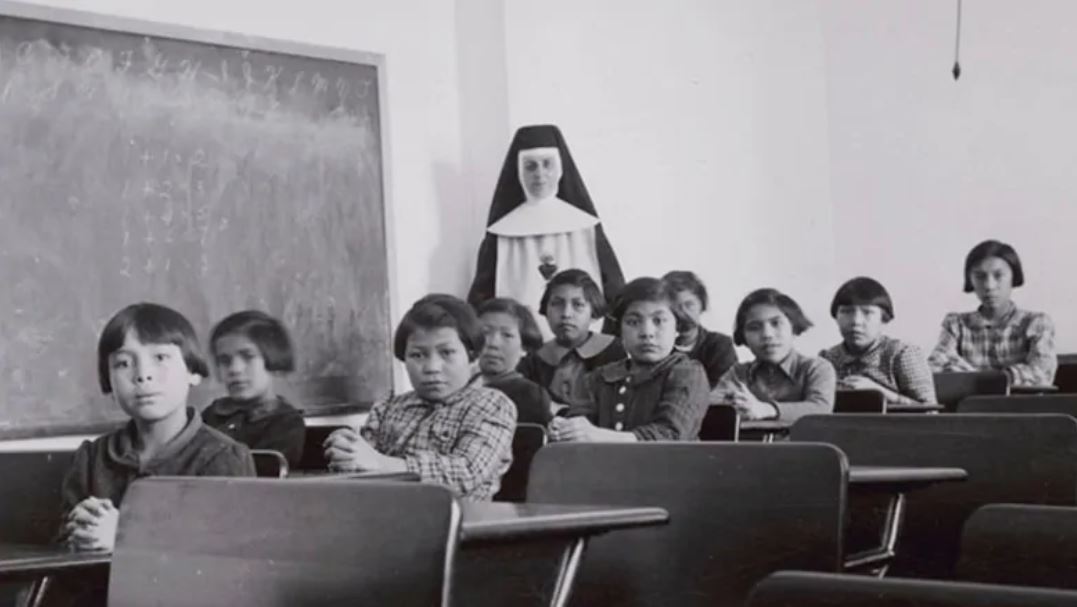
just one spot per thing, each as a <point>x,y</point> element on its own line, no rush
<point>571,303</point>
<point>510,331</point>
<point>248,349</point>
<point>712,349</point>
<point>654,394</point>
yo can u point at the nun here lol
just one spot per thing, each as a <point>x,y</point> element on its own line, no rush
<point>541,221</point>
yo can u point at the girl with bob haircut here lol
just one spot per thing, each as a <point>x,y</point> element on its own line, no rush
<point>780,382</point>
<point>655,393</point>
<point>447,430</point>
<point>571,303</point>
<point>712,349</point>
<point>868,360</point>
<point>509,331</point>
<point>250,349</point>
<point>998,334</point>
<point>148,359</point>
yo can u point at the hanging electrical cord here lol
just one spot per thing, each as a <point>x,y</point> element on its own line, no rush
<point>957,45</point>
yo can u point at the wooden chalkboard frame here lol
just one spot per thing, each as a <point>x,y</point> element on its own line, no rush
<point>329,393</point>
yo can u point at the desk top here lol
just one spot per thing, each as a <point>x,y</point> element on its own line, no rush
<point>34,560</point>
<point>1045,389</point>
<point>917,408</point>
<point>325,475</point>
<point>489,521</point>
<point>766,425</point>
<point>908,476</point>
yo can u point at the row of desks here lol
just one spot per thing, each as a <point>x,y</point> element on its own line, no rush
<point>498,522</point>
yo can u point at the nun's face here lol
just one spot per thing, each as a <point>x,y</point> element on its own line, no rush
<point>540,172</point>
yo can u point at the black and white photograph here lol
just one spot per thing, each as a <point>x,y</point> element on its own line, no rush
<point>477,303</point>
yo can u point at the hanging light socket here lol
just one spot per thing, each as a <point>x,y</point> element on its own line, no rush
<point>956,71</point>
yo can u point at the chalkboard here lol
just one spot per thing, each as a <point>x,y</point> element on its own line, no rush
<point>207,171</point>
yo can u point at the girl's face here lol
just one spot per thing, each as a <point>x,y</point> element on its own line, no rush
<point>691,306</point>
<point>437,362</point>
<point>539,170</point>
<point>569,314</point>
<point>648,330</point>
<point>992,279</point>
<point>503,348</point>
<point>860,326</point>
<point>241,367</point>
<point>768,333</point>
<point>150,381</point>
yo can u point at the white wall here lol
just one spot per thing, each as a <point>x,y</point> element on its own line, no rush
<point>798,144</point>
<point>924,167</point>
<point>700,130</point>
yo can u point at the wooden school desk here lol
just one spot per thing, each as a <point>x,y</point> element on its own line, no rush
<point>33,563</point>
<point>322,475</point>
<point>1028,459</point>
<point>482,523</point>
<point>495,526</point>
<point>23,561</point>
<point>894,481</point>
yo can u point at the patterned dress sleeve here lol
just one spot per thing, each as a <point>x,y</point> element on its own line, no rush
<point>945,356</point>
<point>915,382</point>
<point>1040,364</point>
<point>372,426</point>
<point>482,450</point>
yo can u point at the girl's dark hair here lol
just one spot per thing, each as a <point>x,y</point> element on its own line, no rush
<point>576,278</point>
<point>770,297</point>
<point>863,291</point>
<point>993,248</point>
<point>153,324</point>
<point>647,288</point>
<point>436,311</point>
<point>266,332</point>
<point>530,335</point>
<point>683,280</point>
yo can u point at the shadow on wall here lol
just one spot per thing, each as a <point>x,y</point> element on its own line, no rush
<point>457,236</point>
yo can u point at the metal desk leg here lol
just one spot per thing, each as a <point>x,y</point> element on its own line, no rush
<point>884,554</point>
<point>570,565</point>
<point>36,596</point>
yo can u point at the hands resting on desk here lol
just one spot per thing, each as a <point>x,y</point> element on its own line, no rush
<point>859,382</point>
<point>347,451</point>
<point>747,405</point>
<point>91,525</point>
<point>580,429</point>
